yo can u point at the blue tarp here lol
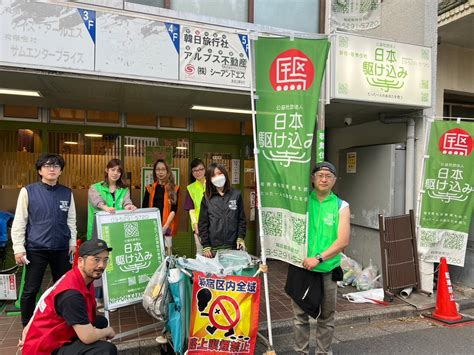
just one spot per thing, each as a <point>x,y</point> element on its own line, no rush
<point>5,217</point>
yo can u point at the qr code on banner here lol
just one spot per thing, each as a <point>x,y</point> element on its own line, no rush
<point>272,223</point>
<point>428,238</point>
<point>299,229</point>
<point>131,229</point>
<point>453,241</point>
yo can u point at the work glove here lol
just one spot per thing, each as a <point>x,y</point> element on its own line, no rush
<point>241,244</point>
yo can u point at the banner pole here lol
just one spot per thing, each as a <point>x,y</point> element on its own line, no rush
<point>257,192</point>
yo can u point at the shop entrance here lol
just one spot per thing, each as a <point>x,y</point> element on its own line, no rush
<point>225,154</point>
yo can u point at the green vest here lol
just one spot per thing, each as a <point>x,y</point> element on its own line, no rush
<point>322,229</point>
<point>196,191</point>
<point>104,192</point>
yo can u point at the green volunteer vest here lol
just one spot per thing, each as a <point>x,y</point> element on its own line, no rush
<point>322,229</point>
<point>196,191</point>
<point>103,189</point>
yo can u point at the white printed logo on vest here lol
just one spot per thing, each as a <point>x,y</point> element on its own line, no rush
<point>64,206</point>
<point>329,219</point>
<point>233,205</point>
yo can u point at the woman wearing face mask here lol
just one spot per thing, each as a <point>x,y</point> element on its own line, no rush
<point>194,195</point>
<point>222,223</point>
<point>163,194</point>
<point>110,195</point>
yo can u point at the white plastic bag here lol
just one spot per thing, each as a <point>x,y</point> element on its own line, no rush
<point>201,263</point>
<point>233,260</point>
<point>157,295</point>
<point>351,269</point>
<point>369,296</point>
<point>367,278</point>
<point>226,262</point>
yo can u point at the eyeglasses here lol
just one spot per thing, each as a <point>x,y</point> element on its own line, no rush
<point>324,176</point>
<point>54,166</point>
<point>198,170</point>
<point>97,260</point>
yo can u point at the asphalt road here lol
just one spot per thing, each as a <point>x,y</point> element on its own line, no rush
<point>414,335</point>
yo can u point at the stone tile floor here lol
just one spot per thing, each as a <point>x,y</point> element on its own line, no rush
<point>133,317</point>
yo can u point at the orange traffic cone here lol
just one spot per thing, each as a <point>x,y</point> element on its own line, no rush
<point>446,311</point>
<point>445,304</point>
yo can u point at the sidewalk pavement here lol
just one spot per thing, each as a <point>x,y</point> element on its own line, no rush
<point>281,312</point>
<point>133,317</point>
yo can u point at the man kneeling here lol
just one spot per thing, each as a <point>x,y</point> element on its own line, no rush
<point>64,321</point>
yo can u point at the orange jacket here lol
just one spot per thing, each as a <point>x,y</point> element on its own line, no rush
<point>166,206</point>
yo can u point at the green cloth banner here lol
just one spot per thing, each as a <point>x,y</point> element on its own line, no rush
<point>447,204</point>
<point>288,82</point>
<point>137,242</point>
<point>320,139</point>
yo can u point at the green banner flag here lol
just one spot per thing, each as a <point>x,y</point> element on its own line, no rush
<point>447,204</point>
<point>288,82</point>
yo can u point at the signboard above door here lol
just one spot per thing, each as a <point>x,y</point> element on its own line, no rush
<point>376,70</point>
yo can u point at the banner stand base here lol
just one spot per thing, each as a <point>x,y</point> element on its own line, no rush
<point>136,331</point>
<point>270,350</point>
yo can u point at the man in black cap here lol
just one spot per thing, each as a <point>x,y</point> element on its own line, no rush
<point>328,235</point>
<point>65,320</point>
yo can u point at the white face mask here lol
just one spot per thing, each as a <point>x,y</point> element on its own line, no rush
<point>218,181</point>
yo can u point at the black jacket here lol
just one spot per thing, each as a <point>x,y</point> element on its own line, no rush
<point>222,220</point>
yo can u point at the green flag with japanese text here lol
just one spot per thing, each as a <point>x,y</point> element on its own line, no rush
<point>288,82</point>
<point>447,204</point>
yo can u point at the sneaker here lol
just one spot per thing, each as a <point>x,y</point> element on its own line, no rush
<point>161,339</point>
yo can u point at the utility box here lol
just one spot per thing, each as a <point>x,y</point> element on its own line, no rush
<point>372,180</point>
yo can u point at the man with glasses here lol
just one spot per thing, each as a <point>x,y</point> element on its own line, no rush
<point>328,235</point>
<point>43,230</point>
<point>65,320</point>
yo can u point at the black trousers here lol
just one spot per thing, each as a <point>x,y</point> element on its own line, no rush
<point>39,259</point>
<point>100,347</point>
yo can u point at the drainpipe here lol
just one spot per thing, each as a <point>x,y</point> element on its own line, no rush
<point>410,166</point>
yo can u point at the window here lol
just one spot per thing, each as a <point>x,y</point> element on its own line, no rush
<point>134,119</point>
<point>12,111</point>
<point>236,10</point>
<point>86,157</point>
<point>301,15</point>
<point>248,129</point>
<point>176,123</point>
<point>67,115</point>
<point>103,117</point>
<point>154,3</point>
<point>19,150</point>
<point>217,126</point>
<point>71,115</point>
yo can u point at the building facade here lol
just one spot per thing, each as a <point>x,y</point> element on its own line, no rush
<point>101,95</point>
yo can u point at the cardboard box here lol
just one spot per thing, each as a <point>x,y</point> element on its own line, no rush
<point>7,287</point>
